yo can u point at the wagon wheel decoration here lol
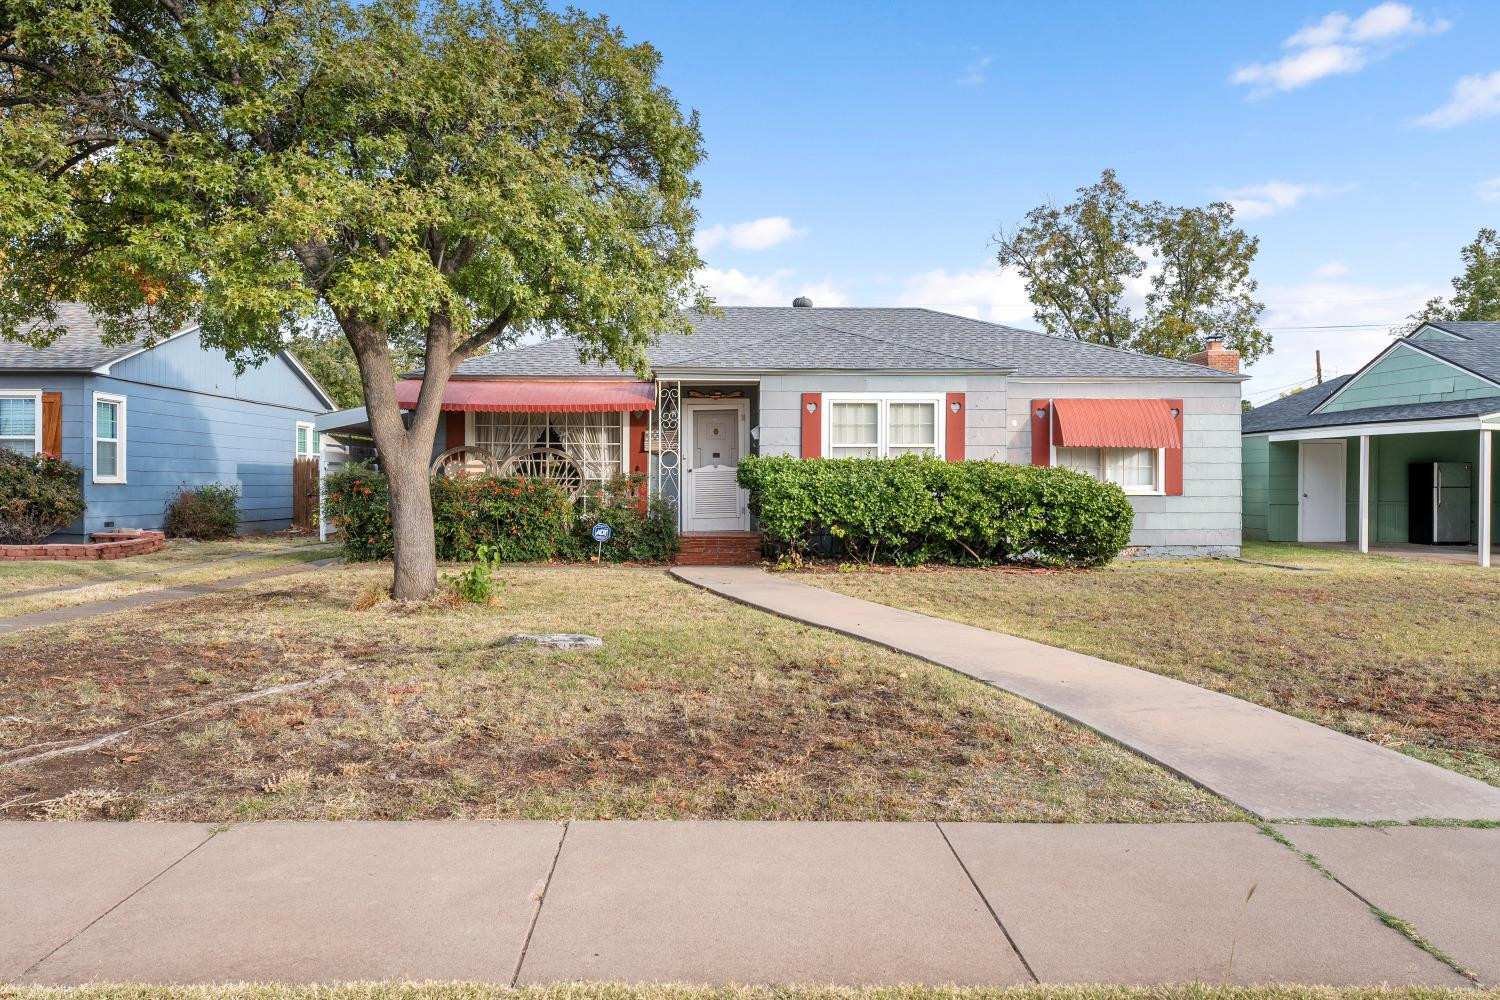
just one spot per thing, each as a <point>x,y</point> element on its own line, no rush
<point>552,464</point>
<point>465,460</point>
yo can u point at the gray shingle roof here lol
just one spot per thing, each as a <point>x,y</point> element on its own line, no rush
<point>1478,352</point>
<point>1294,412</point>
<point>775,338</point>
<point>81,348</point>
<point>1469,329</point>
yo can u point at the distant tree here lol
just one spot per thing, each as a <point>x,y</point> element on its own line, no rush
<point>328,357</point>
<point>1078,260</point>
<point>456,172</point>
<point>1476,292</point>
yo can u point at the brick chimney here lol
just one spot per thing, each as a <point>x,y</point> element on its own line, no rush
<point>1216,357</point>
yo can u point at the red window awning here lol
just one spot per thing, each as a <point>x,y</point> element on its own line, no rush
<point>1114,423</point>
<point>515,395</point>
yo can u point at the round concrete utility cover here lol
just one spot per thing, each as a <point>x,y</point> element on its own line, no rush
<point>556,640</point>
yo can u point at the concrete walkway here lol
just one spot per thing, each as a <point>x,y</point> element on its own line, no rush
<point>1270,764</point>
<point>145,599</point>
<point>719,902</point>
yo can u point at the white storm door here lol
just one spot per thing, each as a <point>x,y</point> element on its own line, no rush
<point>1321,475</point>
<point>715,501</point>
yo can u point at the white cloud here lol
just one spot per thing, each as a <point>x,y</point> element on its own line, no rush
<point>1260,200</point>
<point>1349,323</point>
<point>1473,97</point>
<point>1489,190</point>
<point>757,234</point>
<point>777,288</point>
<point>1332,269</point>
<point>989,293</point>
<point>975,72</point>
<point>1337,44</point>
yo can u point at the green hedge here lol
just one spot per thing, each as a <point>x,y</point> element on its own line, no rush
<point>524,520</point>
<point>207,513</point>
<point>916,510</point>
<point>39,494</point>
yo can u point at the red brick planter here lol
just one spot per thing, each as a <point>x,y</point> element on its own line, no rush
<point>105,545</point>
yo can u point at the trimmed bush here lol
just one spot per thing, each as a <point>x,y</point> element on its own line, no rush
<point>39,494</point>
<point>913,510</point>
<point>519,520</point>
<point>207,513</point>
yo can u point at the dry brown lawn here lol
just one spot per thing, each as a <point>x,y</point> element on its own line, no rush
<point>695,707</point>
<point>1397,651</point>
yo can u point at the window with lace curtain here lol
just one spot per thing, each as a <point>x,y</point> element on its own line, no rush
<point>883,426</point>
<point>1135,470</point>
<point>596,441</point>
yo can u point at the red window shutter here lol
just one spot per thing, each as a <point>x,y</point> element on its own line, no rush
<point>52,423</point>
<point>1041,432</point>
<point>453,433</point>
<point>639,460</point>
<point>1173,458</point>
<point>812,425</point>
<point>953,443</point>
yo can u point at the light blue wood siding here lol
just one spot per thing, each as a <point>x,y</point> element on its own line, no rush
<point>176,438</point>
<point>184,363</point>
<point>1407,376</point>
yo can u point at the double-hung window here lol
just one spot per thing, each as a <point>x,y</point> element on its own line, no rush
<point>1135,470</point>
<point>21,421</point>
<point>309,441</point>
<point>109,438</point>
<point>884,426</point>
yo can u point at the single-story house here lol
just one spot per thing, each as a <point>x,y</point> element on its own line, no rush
<point>143,422</point>
<point>1399,452</point>
<point>866,383</point>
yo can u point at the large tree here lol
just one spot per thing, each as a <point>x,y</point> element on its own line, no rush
<point>445,171</point>
<point>1079,261</point>
<point>1476,292</point>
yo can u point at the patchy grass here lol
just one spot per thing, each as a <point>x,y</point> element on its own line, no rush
<point>1396,651</point>
<point>23,576</point>
<point>695,707</point>
<point>241,562</point>
<point>608,991</point>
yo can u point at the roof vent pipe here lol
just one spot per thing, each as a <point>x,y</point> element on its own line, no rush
<point>802,302</point>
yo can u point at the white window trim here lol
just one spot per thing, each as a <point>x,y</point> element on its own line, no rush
<point>882,426</point>
<point>35,395</point>
<point>1130,491</point>
<point>311,431</point>
<point>119,477</point>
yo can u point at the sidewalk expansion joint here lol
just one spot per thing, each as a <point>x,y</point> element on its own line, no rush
<point>985,899</point>
<point>212,833</point>
<point>536,913</point>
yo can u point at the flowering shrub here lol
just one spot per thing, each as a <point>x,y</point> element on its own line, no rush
<point>509,520</point>
<point>39,494</point>
<point>915,510</point>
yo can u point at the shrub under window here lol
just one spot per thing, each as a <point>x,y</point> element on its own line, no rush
<point>38,496</point>
<point>915,510</point>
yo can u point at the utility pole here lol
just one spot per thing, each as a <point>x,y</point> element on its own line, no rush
<point>1318,361</point>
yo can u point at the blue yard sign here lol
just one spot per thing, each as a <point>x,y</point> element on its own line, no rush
<point>602,533</point>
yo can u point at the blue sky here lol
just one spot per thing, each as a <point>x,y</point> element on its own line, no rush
<point>865,154</point>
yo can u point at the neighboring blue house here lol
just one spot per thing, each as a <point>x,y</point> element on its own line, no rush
<point>143,422</point>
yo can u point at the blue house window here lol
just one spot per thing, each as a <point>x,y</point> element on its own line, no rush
<point>109,438</point>
<point>20,421</point>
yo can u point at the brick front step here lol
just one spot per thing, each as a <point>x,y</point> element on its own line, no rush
<point>719,548</point>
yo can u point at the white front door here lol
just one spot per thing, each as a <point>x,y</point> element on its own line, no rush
<point>715,446</point>
<point>1321,473</point>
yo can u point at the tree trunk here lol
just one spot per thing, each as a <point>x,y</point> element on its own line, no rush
<point>411,526</point>
<point>405,451</point>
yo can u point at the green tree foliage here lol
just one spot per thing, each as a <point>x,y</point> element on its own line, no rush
<point>1476,292</point>
<point>1078,261</point>
<point>450,172</point>
<point>328,357</point>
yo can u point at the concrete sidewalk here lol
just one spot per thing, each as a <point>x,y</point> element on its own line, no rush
<point>718,902</point>
<point>1270,764</point>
